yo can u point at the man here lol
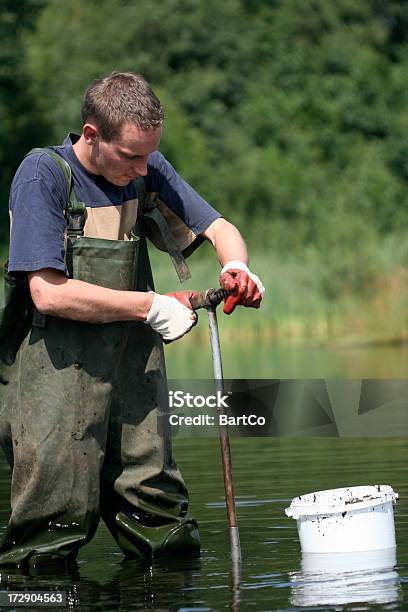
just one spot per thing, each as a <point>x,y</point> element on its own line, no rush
<point>84,420</point>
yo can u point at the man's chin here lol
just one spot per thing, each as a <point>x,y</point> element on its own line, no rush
<point>120,182</point>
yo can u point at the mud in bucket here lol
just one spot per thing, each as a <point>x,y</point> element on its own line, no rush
<point>351,519</point>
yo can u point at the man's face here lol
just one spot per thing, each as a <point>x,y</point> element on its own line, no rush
<point>125,158</point>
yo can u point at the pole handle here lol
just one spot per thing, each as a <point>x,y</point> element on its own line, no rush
<point>208,298</point>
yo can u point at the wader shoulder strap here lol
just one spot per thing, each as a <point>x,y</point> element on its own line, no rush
<point>151,211</point>
<point>75,210</point>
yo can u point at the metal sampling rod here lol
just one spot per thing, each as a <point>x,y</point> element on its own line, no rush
<point>210,300</point>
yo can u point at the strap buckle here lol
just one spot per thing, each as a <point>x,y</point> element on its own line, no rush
<point>75,218</point>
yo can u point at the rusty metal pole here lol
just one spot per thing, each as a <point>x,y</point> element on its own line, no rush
<point>224,439</point>
<point>209,300</point>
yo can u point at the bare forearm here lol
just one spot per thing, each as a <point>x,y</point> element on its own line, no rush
<point>56,295</point>
<point>227,241</point>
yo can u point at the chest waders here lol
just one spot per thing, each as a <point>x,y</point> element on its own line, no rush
<point>85,425</point>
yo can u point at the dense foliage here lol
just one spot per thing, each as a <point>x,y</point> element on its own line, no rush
<point>20,123</point>
<point>290,116</point>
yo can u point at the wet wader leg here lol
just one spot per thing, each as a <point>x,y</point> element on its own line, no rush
<point>6,376</point>
<point>143,496</point>
<point>58,425</point>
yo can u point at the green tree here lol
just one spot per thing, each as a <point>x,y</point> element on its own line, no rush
<point>20,123</point>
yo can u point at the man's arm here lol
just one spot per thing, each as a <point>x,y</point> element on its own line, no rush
<point>227,241</point>
<point>55,294</point>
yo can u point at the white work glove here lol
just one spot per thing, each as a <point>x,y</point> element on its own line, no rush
<point>169,318</point>
<point>246,288</point>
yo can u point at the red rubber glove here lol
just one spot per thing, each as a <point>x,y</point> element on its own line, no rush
<point>247,289</point>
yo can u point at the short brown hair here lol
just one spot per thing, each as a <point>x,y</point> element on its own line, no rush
<point>120,97</point>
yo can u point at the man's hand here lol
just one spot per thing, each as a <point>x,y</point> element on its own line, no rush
<point>184,297</point>
<point>171,315</point>
<point>246,287</point>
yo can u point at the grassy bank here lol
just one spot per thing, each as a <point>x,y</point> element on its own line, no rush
<point>300,304</point>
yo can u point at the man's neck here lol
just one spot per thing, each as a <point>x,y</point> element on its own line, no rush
<point>81,150</point>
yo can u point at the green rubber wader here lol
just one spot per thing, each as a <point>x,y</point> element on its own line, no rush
<point>85,427</point>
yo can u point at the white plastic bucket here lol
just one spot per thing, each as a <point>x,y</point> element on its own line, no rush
<point>345,520</point>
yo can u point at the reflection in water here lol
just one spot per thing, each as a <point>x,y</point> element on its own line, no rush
<point>136,584</point>
<point>151,586</point>
<point>255,359</point>
<point>235,583</point>
<point>345,578</point>
<point>44,578</point>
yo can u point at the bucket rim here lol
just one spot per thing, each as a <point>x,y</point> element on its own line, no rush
<point>336,501</point>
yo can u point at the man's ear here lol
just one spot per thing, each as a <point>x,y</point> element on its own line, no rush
<point>90,133</point>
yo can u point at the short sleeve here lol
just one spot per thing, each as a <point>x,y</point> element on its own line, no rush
<point>37,223</point>
<point>178,195</point>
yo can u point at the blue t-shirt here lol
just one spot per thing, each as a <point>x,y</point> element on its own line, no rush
<point>39,195</point>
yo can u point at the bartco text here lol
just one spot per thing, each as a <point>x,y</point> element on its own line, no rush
<point>220,419</point>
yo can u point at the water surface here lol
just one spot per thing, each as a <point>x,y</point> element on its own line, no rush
<point>268,473</point>
<point>265,359</point>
